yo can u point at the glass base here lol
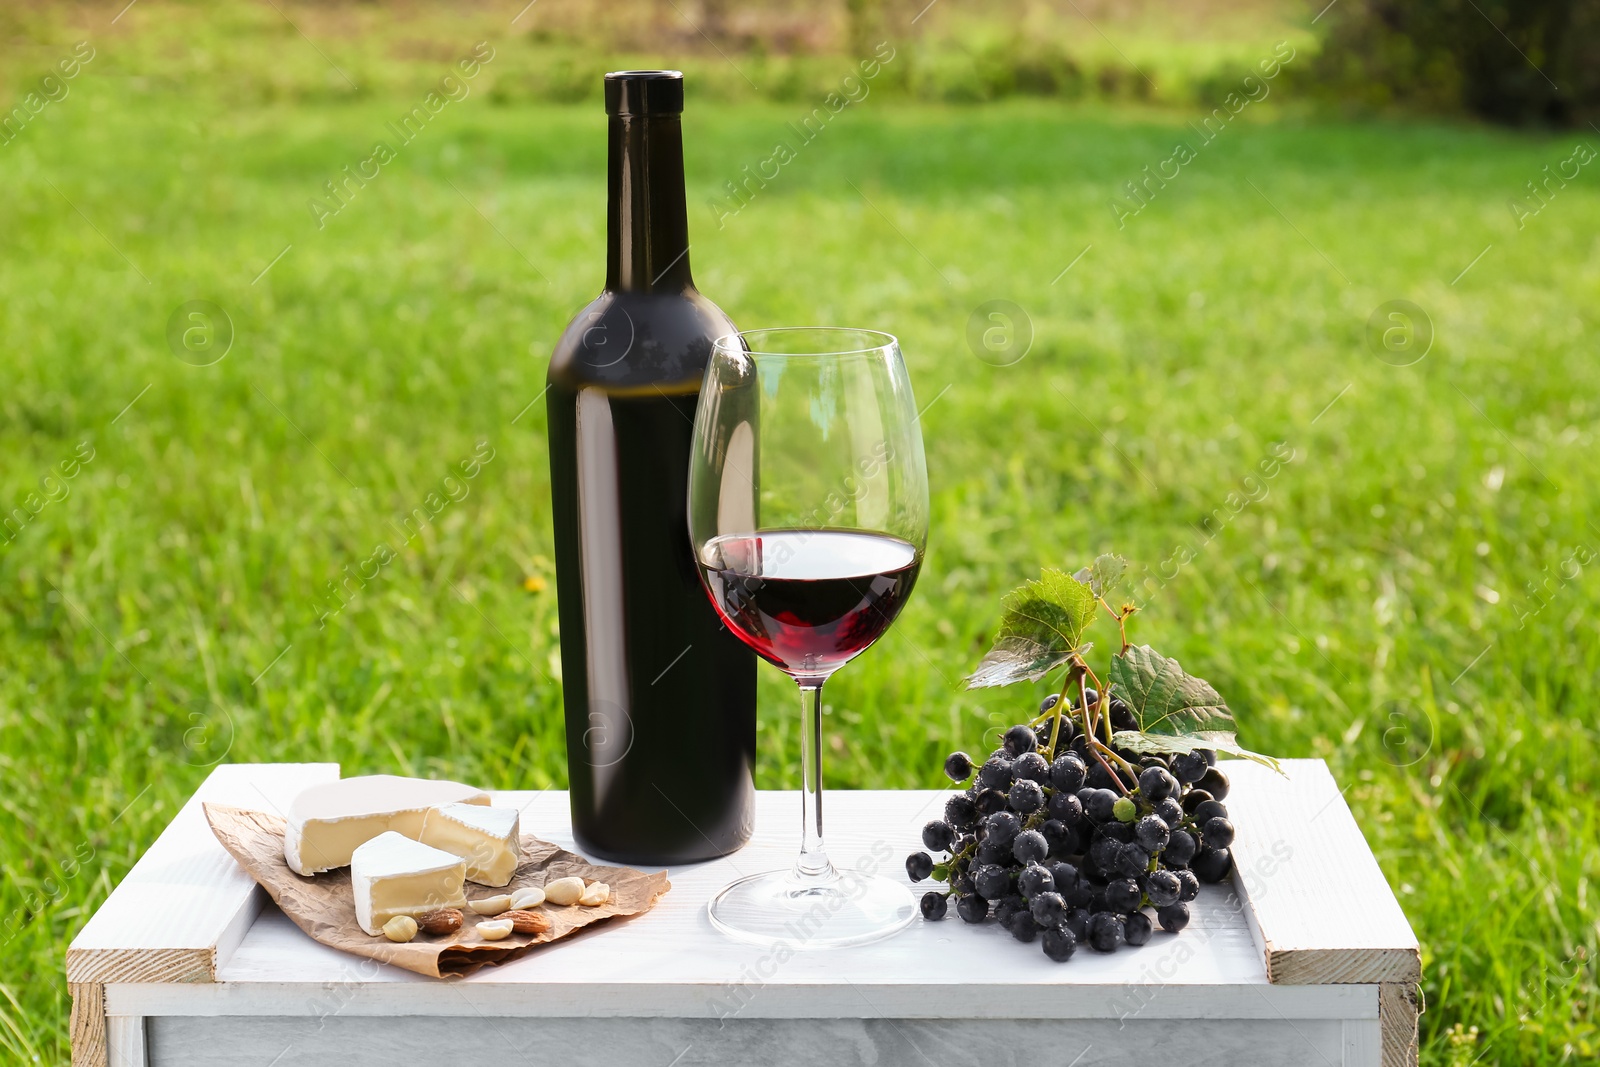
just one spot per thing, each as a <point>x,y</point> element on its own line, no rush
<point>828,910</point>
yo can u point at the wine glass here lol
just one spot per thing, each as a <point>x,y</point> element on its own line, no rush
<point>808,512</point>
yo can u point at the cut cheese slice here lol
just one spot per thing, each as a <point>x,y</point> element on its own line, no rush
<point>394,875</point>
<point>328,822</point>
<point>487,838</point>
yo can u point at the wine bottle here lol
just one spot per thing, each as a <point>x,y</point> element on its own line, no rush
<point>660,698</point>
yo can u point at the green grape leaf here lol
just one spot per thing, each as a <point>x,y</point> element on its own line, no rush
<point>1164,699</point>
<point>1041,628</point>
<point>1104,575</point>
<point>1176,712</point>
<point>1167,744</point>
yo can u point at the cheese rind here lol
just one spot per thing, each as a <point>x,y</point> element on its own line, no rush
<point>486,837</point>
<point>328,822</point>
<point>394,875</point>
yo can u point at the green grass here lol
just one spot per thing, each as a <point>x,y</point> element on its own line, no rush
<point>1339,612</point>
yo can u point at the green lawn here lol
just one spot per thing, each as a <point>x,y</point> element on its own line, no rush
<point>1397,599</point>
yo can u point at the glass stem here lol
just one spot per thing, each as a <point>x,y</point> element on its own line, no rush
<point>813,863</point>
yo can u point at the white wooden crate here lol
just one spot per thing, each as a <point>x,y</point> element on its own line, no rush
<point>1307,960</point>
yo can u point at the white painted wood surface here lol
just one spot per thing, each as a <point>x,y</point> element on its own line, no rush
<point>1316,901</point>
<point>125,1041</point>
<point>970,973</point>
<point>669,969</point>
<point>670,961</point>
<point>186,903</point>
<point>884,1042</point>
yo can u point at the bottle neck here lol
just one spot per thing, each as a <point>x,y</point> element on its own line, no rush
<point>647,221</point>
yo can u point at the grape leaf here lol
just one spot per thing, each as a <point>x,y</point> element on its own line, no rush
<point>1041,628</point>
<point>1104,575</point>
<point>1176,712</point>
<point>1165,744</point>
<point>1164,699</point>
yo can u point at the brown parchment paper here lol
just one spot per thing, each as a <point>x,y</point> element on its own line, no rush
<point>324,907</point>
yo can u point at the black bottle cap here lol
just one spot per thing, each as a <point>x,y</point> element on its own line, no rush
<point>644,92</point>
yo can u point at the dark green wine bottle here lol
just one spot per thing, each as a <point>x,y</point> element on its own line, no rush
<point>660,698</point>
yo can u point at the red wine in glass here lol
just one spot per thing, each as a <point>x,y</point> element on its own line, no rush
<point>808,515</point>
<point>809,600</point>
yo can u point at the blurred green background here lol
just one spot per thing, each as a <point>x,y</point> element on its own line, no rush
<point>1409,597</point>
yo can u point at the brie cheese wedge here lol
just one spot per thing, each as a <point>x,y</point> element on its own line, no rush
<point>328,822</point>
<point>486,837</point>
<point>394,875</point>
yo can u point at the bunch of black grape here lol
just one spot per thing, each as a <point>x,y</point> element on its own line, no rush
<point>1045,842</point>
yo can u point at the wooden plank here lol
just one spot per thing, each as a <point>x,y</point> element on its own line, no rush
<point>125,1039</point>
<point>87,1029</point>
<point>670,962</point>
<point>933,1000</point>
<point>670,959</point>
<point>1397,1018</point>
<point>1363,1040</point>
<point>884,1041</point>
<point>186,903</point>
<point>1318,906</point>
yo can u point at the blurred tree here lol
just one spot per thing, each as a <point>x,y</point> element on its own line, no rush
<point>866,24</point>
<point>1512,61</point>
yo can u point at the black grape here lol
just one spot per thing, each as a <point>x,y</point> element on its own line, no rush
<point>1215,783</point>
<point>1212,864</point>
<point>1157,784</point>
<point>1152,833</point>
<point>990,801</point>
<point>1020,739</point>
<point>1163,888</point>
<point>1173,917</point>
<point>995,774</point>
<point>1032,767</point>
<point>1123,895</point>
<point>1030,847</point>
<point>1026,797</point>
<point>1068,772</point>
<point>1022,926</point>
<point>938,835</point>
<point>1105,932</point>
<point>1180,849</point>
<point>1034,880</point>
<point>961,811</point>
<point>1048,909</point>
<point>1060,943</point>
<point>1217,832</point>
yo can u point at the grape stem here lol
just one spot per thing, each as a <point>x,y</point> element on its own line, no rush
<point>1122,620</point>
<point>1080,671</point>
<point>1103,701</point>
<point>1092,746</point>
<point>1124,764</point>
<point>1060,709</point>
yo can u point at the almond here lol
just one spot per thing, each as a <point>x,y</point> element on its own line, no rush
<point>491,905</point>
<point>595,894</point>
<point>564,890</point>
<point>523,899</point>
<point>494,929</point>
<point>443,921</point>
<point>527,922</point>
<point>401,928</point>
